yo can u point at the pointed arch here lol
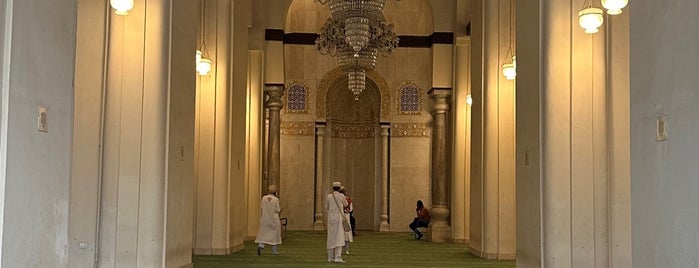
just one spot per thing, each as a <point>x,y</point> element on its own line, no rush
<point>338,73</point>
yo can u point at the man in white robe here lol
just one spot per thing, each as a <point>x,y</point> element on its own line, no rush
<point>334,204</point>
<point>347,210</point>
<point>270,227</point>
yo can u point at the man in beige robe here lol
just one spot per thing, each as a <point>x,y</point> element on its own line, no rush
<point>270,227</point>
<point>334,204</point>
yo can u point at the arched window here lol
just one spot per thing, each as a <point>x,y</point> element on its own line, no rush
<point>296,98</point>
<point>410,99</point>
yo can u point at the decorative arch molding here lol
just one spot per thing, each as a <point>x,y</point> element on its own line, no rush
<point>338,73</point>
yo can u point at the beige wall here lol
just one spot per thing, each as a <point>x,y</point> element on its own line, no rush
<point>493,145</point>
<point>461,151</point>
<point>144,127</point>
<point>213,133</point>
<point>573,206</point>
<point>37,70</point>
<point>229,127</point>
<point>663,83</point>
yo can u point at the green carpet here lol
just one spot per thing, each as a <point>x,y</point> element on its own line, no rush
<point>370,249</point>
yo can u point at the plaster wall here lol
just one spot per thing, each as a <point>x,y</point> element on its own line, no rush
<point>493,145</point>
<point>37,70</point>
<point>147,142</point>
<point>574,84</point>
<point>297,180</point>
<point>213,133</point>
<point>461,151</point>
<point>664,173</point>
<point>409,179</point>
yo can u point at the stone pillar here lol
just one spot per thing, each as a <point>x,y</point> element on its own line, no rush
<point>274,104</point>
<point>384,226</point>
<point>439,230</point>
<point>318,223</point>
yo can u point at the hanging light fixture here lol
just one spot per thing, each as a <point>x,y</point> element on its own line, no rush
<point>203,66</point>
<point>590,18</point>
<point>509,68</point>
<point>614,6</point>
<point>356,33</point>
<point>469,100</point>
<point>121,7</point>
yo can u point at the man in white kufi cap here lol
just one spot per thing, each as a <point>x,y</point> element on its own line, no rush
<point>270,227</point>
<point>334,205</point>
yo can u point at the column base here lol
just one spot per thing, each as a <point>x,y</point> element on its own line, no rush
<point>318,226</point>
<point>439,233</point>
<point>384,227</point>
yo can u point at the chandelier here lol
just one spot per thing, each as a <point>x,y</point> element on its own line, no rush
<point>356,33</point>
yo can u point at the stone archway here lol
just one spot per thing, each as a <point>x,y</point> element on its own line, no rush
<point>337,74</point>
<point>354,143</point>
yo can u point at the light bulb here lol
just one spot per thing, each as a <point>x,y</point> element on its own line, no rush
<point>198,57</point>
<point>508,69</point>
<point>614,6</point>
<point>469,100</point>
<point>204,66</point>
<point>121,7</point>
<point>591,19</point>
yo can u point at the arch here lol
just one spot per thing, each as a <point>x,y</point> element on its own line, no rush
<point>338,73</point>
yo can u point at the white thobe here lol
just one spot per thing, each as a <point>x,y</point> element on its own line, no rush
<point>348,234</point>
<point>270,227</point>
<point>336,234</point>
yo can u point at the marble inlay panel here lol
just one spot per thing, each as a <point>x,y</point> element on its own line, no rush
<point>298,128</point>
<point>410,130</point>
<point>352,131</point>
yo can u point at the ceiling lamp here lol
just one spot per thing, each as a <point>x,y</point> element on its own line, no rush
<point>203,66</point>
<point>121,7</point>
<point>356,33</point>
<point>509,68</point>
<point>591,19</point>
<point>614,6</point>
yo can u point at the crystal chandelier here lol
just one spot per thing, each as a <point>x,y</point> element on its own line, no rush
<point>356,33</point>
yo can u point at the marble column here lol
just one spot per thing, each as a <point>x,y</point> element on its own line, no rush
<point>384,226</point>
<point>274,104</point>
<point>318,223</point>
<point>439,230</point>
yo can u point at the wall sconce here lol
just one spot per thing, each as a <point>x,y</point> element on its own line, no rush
<point>121,7</point>
<point>614,6</point>
<point>469,100</point>
<point>591,19</point>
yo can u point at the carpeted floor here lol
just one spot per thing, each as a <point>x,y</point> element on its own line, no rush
<point>307,249</point>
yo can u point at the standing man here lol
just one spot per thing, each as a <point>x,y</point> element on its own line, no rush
<point>334,204</point>
<point>270,227</point>
<point>348,214</point>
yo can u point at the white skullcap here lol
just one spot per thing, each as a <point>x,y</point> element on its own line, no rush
<point>337,184</point>
<point>272,188</point>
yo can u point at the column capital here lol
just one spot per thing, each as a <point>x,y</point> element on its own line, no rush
<point>320,130</point>
<point>274,93</point>
<point>384,130</point>
<point>440,95</point>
